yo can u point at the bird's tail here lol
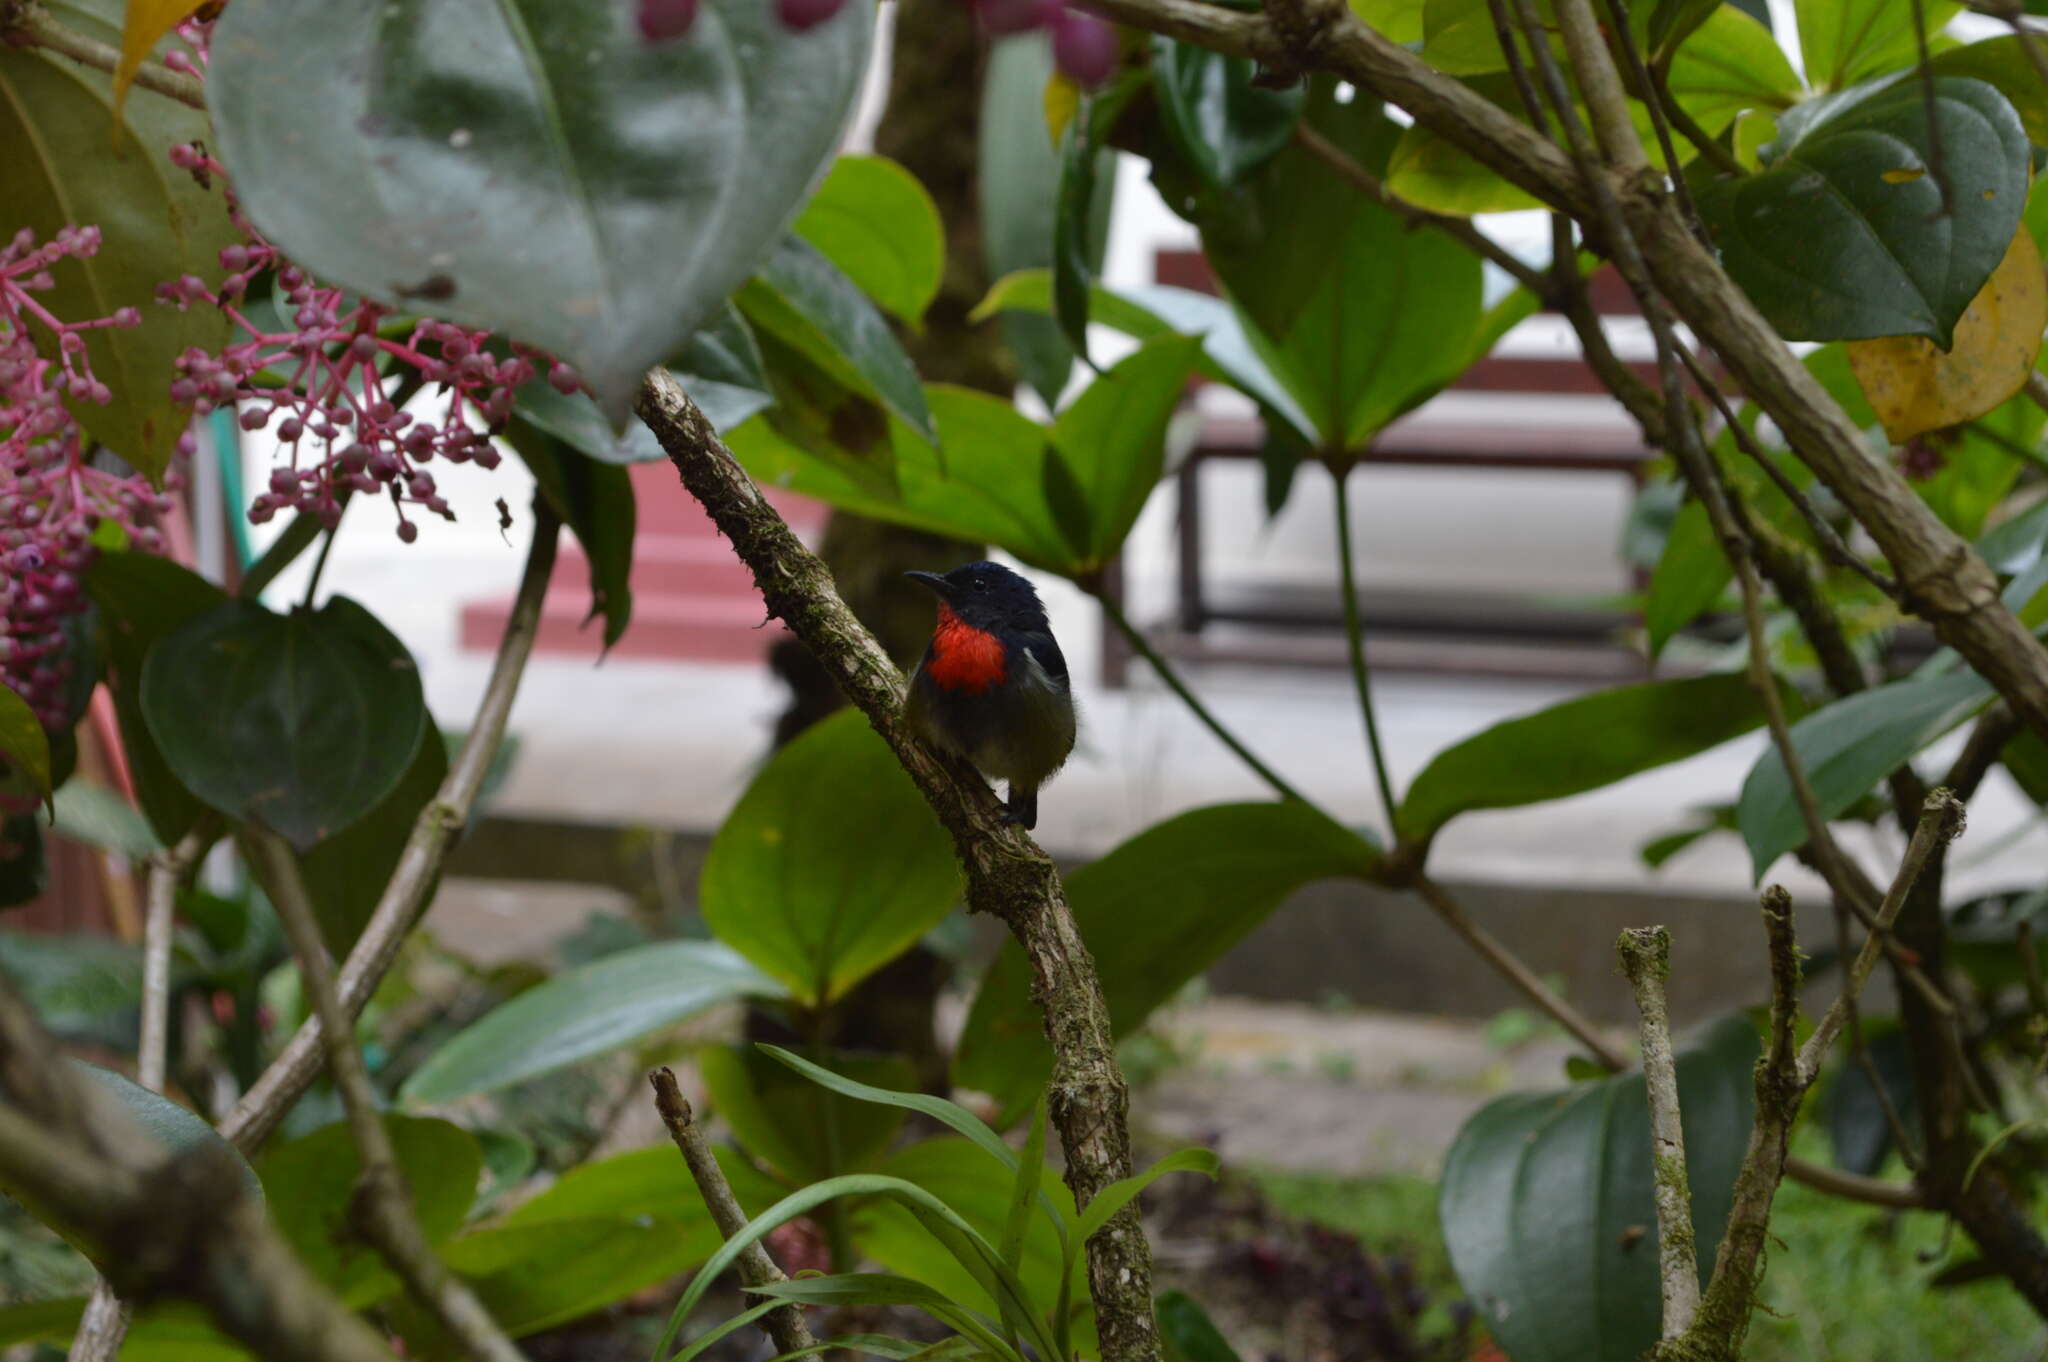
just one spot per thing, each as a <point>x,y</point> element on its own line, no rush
<point>1024,807</point>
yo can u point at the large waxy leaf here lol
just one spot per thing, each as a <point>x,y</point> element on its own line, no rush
<point>538,168</point>
<point>141,599</point>
<point>24,749</point>
<point>1690,576</point>
<point>1360,317</point>
<point>346,875</point>
<point>1225,125</point>
<point>593,497</point>
<point>311,1185</point>
<point>1224,869</point>
<point>1845,41</point>
<point>830,865</point>
<point>873,220</point>
<point>1846,748</point>
<point>156,223</point>
<point>1579,745</point>
<point>1852,174</point>
<point>587,1011</point>
<point>1109,449</point>
<point>302,722</point>
<point>2003,62</point>
<point>1547,1210</point>
<point>782,1119</point>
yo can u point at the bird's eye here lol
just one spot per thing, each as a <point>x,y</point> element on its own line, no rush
<point>981,583</point>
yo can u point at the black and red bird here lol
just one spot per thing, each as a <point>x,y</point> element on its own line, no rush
<point>993,686</point>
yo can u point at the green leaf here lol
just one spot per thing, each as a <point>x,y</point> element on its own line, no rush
<point>1846,748</point>
<point>853,1288</point>
<point>802,299</point>
<point>1024,1187</point>
<point>1112,439</point>
<point>24,747</point>
<point>779,1117</point>
<point>1360,317</point>
<point>1547,1210</point>
<point>565,182</point>
<point>1729,64</point>
<point>2026,760</point>
<point>1980,468</point>
<point>949,1114</point>
<point>1188,1332</point>
<point>141,599</point>
<point>1225,868</point>
<point>2003,62</point>
<point>1102,1208</point>
<point>1430,171</point>
<point>2017,544</point>
<point>311,1183</point>
<point>81,987</point>
<point>873,220</point>
<point>831,864</point>
<point>97,817</point>
<point>303,722</point>
<point>595,499</point>
<point>1083,163</point>
<point>1846,41</point>
<point>587,1011</point>
<point>293,540</point>
<point>347,873</point>
<point>1853,175</point>
<point>532,1277</point>
<point>1579,745</point>
<point>1673,21</point>
<point>1859,1132</point>
<point>1018,185</point>
<point>1690,575</point>
<point>72,163</point>
<point>1224,124</point>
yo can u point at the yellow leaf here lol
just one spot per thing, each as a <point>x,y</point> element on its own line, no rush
<point>141,31</point>
<point>1913,387</point>
<point>1062,101</point>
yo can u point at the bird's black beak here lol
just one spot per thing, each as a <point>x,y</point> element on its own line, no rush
<point>935,582</point>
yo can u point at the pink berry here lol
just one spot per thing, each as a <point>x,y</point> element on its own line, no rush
<point>1084,48</point>
<point>1002,17</point>
<point>798,15</point>
<point>663,21</point>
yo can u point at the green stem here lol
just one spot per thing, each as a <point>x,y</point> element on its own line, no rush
<point>319,566</point>
<point>1354,631</point>
<point>1143,647</point>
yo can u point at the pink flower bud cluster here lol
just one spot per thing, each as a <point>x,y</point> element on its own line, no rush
<point>322,379</point>
<point>52,496</point>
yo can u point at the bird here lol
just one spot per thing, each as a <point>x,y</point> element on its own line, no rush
<point>992,686</point>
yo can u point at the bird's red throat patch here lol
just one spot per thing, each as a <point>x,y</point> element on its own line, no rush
<point>965,658</point>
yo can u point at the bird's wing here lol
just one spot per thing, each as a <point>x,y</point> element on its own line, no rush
<point>1046,649</point>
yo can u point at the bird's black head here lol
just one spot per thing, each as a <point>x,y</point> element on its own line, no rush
<point>988,596</point>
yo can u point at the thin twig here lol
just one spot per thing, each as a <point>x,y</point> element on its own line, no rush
<point>1645,954</point>
<point>419,865</point>
<point>1688,127</point>
<point>1859,1051</point>
<point>785,1323</point>
<point>1655,99</point>
<point>1460,229</point>
<point>1940,821</point>
<point>1354,633</point>
<point>28,23</point>
<point>383,1206</point>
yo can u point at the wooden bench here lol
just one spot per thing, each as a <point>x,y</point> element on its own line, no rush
<point>1484,633</point>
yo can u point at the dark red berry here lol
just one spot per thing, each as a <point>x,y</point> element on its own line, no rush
<point>663,21</point>
<point>799,15</point>
<point>1083,47</point>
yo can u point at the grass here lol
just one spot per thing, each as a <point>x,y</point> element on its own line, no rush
<point>1845,1282</point>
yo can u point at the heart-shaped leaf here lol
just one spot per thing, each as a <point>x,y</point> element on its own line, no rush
<point>58,124</point>
<point>874,221</point>
<point>1845,236</point>
<point>302,722</point>
<point>1225,125</point>
<point>546,170</point>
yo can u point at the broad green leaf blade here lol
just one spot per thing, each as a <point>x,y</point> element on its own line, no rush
<point>1846,748</point>
<point>1360,317</point>
<point>1579,745</point>
<point>1859,1130</point>
<point>830,865</point>
<point>178,1130</point>
<point>1112,439</point>
<point>24,747</point>
<point>1224,868</point>
<point>1188,1332</point>
<point>594,497</point>
<point>1224,124</point>
<point>1729,64</point>
<point>532,1277</point>
<point>82,988</point>
<point>1854,177</point>
<point>302,722</point>
<point>156,223</point>
<point>141,600</point>
<point>853,1288</point>
<point>780,1118</point>
<point>949,1114</point>
<point>347,874</point>
<point>801,298</point>
<point>1119,1194</point>
<point>1546,1203</point>
<point>587,1011</point>
<point>311,1184</point>
<point>97,817</point>
<point>873,220</point>
<point>1846,41</point>
<point>2003,62</point>
<point>551,175</point>
<point>1690,576</point>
